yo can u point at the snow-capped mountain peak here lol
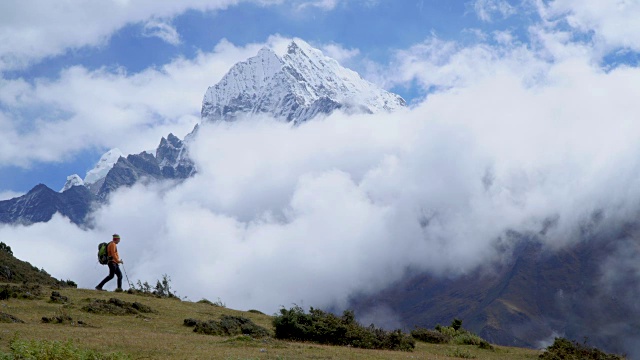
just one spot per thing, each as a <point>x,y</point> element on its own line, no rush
<point>295,87</point>
<point>72,180</point>
<point>103,166</point>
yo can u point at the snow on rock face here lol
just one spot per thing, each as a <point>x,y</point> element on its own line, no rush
<point>103,166</point>
<point>72,180</point>
<point>240,89</point>
<point>172,156</point>
<point>295,87</point>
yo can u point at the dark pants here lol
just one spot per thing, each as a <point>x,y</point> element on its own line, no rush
<point>114,269</point>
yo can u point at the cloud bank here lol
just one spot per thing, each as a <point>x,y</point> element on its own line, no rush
<point>346,204</point>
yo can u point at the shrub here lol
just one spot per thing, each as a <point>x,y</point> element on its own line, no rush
<point>56,297</point>
<point>58,319</point>
<point>464,337</point>
<point>326,328</point>
<point>144,287</point>
<point>218,303</point>
<point>572,350</point>
<point>485,345</point>
<point>228,326</point>
<point>447,330</point>
<point>450,335</point>
<point>190,322</point>
<point>162,289</point>
<point>70,283</point>
<point>8,318</point>
<point>456,324</point>
<point>116,307</point>
<point>430,336</point>
<point>6,248</point>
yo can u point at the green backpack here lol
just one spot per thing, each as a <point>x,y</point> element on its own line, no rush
<point>102,253</point>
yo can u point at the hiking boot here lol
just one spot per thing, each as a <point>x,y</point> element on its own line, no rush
<point>118,290</point>
<point>100,289</point>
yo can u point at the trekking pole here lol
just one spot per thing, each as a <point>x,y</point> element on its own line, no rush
<point>125,274</point>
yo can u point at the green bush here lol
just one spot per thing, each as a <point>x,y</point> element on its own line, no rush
<point>54,350</point>
<point>447,331</point>
<point>572,350</point>
<point>228,326</point>
<point>430,336</point>
<point>218,303</point>
<point>326,328</point>
<point>6,248</point>
<point>450,335</point>
<point>464,337</point>
<point>69,283</point>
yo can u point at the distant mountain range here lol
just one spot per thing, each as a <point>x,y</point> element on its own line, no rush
<point>78,198</point>
<point>537,295</point>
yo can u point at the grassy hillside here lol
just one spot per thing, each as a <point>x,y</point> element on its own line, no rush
<point>17,271</point>
<point>161,333</point>
<point>39,313</point>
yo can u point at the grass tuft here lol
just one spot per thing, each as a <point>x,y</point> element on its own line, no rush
<point>115,306</point>
<point>54,350</point>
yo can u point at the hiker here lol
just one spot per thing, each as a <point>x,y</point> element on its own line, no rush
<point>114,260</point>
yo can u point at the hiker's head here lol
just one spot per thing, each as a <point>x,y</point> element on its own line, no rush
<point>116,238</point>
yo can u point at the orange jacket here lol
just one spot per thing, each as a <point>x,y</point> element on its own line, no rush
<point>112,253</point>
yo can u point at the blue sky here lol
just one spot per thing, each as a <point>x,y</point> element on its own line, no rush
<point>140,37</point>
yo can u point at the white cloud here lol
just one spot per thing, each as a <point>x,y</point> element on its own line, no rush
<point>321,4</point>
<point>328,5</point>
<point>486,9</point>
<point>108,108</point>
<point>503,37</point>
<point>614,23</point>
<point>163,30</point>
<point>440,64</point>
<point>6,195</point>
<point>339,53</point>
<point>311,214</point>
<point>34,29</point>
